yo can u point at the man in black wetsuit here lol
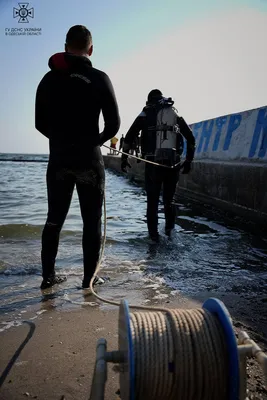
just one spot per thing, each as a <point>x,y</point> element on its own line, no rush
<point>69,100</point>
<point>162,132</point>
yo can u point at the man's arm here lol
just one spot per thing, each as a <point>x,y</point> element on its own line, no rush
<point>190,139</point>
<point>129,139</point>
<point>133,132</point>
<point>42,106</point>
<point>110,111</point>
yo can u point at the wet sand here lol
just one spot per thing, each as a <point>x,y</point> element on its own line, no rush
<point>58,358</point>
<point>57,361</point>
<point>52,355</point>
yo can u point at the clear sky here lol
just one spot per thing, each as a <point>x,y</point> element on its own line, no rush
<point>209,55</point>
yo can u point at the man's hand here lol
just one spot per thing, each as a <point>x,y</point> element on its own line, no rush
<point>186,167</point>
<point>124,164</point>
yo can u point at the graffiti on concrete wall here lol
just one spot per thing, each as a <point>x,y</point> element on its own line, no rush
<point>233,137</point>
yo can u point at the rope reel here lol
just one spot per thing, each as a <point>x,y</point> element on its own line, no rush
<point>177,354</point>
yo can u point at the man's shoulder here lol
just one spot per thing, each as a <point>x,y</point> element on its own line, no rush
<point>49,77</point>
<point>144,112</point>
<point>101,75</point>
<point>100,79</point>
<point>46,81</point>
<point>181,119</point>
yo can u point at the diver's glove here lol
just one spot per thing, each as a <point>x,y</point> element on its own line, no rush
<point>185,167</point>
<point>125,163</point>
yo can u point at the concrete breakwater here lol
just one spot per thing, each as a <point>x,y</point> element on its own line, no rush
<point>230,166</point>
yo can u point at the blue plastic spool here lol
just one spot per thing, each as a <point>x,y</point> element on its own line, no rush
<point>127,375</point>
<point>217,307</point>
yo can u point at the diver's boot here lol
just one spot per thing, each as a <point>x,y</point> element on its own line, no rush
<point>170,214</point>
<point>51,281</point>
<point>97,281</point>
<point>168,229</point>
<point>168,232</point>
<point>154,236</point>
<point>152,226</point>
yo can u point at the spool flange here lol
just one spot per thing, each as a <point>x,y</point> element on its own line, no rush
<point>127,368</point>
<point>218,308</point>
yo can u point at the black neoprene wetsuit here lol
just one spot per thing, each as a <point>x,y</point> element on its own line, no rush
<point>69,100</point>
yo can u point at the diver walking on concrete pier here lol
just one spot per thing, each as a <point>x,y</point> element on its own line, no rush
<point>69,100</point>
<point>162,132</point>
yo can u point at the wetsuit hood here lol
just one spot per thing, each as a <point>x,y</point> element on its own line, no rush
<point>67,61</point>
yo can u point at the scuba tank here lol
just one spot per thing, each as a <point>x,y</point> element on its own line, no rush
<point>161,139</point>
<point>165,133</point>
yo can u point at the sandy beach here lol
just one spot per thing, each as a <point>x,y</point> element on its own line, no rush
<point>52,356</point>
<point>58,359</point>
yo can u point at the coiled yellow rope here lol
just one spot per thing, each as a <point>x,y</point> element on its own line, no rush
<point>179,354</point>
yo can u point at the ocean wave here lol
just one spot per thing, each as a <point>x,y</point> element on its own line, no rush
<point>19,231</point>
<point>7,270</point>
<point>24,157</point>
<point>26,231</point>
<point>30,231</point>
<point>35,269</point>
